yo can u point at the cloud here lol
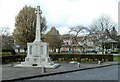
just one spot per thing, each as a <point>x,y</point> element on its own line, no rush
<point>60,13</point>
<point>69,12</point>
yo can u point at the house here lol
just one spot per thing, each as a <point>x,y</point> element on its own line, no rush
<point>83,42</point>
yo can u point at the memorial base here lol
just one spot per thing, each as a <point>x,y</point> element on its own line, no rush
<point>37,56</point>
<point>47,65</point>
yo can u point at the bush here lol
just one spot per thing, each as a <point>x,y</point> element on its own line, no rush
<point>114,52</point>
<point>12,51</point>
<point>85,58</point>
<point>15,58</point>
<point>5,53</point>
<point>78,57</point>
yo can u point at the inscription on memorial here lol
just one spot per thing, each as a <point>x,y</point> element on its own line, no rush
<point>30,49</point>
<point>43,59</point>
<point>41,50</point>
<point>35,59</point>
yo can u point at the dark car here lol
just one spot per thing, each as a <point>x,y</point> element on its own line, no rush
<point>90,51</point>
<point>68,51</point>
<point>94,51</point>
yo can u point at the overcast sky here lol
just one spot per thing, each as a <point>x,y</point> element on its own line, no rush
<point>60,13</point>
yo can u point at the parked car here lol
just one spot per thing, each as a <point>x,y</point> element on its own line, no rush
<point>68,51</point>
<point>89,51</point>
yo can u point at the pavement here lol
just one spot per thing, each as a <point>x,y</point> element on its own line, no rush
<point>9,73</point>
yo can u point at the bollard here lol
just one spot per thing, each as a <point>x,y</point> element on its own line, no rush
<point>43,69</point>
<point>99,62</point>
<point>78,64</point>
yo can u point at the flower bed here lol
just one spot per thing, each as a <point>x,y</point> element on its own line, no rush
<point>63,58</point>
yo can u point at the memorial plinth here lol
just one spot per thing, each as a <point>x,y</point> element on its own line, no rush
<point>38,51</point>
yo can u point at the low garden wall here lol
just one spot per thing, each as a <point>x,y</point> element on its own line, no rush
<point>61,57</point>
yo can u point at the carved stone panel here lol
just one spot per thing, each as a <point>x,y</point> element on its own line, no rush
<point>30,50</point>
<point>41,50</point>
<point>35,59</point>
<point>43,59</point>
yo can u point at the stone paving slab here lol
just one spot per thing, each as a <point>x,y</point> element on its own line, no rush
<point>11,73</point>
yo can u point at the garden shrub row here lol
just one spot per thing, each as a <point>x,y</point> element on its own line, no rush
<point>114,52</point>
<point>13,58</point>
<point>80,57</point>
<point>11,51</point>
<point>62,57</point>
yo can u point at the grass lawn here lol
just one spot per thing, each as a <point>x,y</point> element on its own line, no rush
<point>116,58</point>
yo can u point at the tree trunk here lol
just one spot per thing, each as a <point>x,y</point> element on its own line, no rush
<point>102,49</point>
<point>58,50</point>
<point>18,50</point>
<point>54,50</point>
<point>25,49</point>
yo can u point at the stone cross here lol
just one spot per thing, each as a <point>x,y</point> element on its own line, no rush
<point>38,51</point>
<point>38,26</point>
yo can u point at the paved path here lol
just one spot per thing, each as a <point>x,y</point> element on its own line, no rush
<point>11,73</point>
<point>104,73</point>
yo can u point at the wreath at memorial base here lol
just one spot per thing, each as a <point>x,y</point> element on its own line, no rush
<point>34,64</point>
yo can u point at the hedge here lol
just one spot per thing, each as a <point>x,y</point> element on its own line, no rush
<point>61,57</point>
<point>12,51</point>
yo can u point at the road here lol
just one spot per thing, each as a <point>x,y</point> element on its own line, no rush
<point>104,73</point>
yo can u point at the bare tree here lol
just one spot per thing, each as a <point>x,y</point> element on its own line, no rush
<point>101,27</point>
<point>7,41</point>
<point>4,31</point>
<point>76,32</point>
<point>101,24</point>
